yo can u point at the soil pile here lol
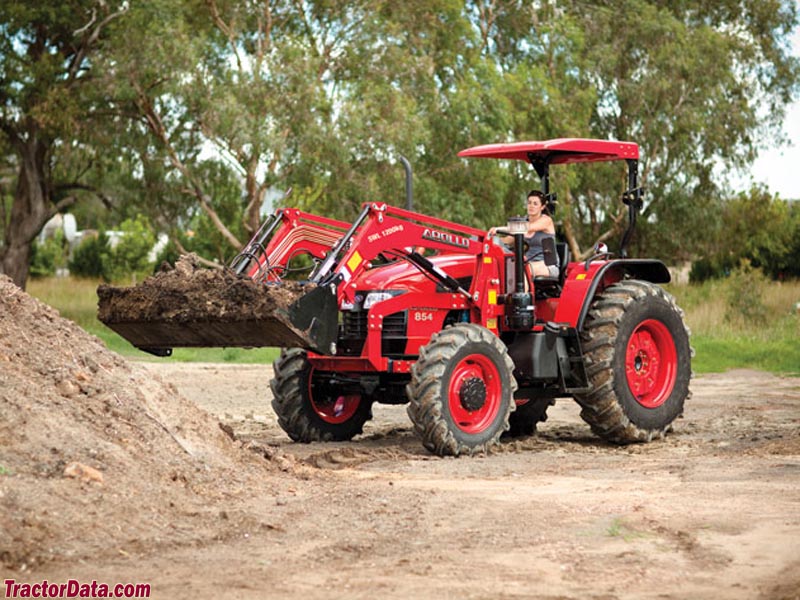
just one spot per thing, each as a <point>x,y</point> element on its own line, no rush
<point>189,306</point>
<point>97,456</point>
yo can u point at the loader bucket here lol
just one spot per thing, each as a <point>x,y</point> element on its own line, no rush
<point>190,307</point>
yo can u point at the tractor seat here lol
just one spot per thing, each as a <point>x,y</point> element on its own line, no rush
<point>550,287</point>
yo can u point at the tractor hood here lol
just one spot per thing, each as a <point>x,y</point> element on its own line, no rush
<point>404,275</point>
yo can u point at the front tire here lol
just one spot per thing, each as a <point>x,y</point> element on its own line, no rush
<point>638,363</point>
<point>461,391</point>
<point>308,404</point>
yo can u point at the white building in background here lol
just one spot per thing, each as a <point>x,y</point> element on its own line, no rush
<point>68,225</point>
<point>161,242</point>
<point>65,223</point>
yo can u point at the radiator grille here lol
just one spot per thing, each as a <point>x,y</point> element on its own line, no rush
<point>354,332</point>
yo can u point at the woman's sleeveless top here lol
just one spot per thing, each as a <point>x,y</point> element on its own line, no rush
<point>535,251</point>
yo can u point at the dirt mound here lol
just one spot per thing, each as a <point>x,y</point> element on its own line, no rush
<point>191,306</point>
<point>98,455</point>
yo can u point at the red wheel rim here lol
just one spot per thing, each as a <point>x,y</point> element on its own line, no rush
<point>651,363</point>
<point>332,408</point>
<point>474,372</point>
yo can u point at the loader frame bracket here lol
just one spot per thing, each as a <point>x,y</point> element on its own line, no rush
<point>316,313</point>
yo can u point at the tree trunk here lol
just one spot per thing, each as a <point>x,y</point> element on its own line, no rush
<point>31,208</point>
<point>569,234</point>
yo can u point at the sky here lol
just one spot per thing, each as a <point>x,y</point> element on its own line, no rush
<point>779,168</point>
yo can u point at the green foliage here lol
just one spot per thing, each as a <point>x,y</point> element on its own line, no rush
<point>129,256</point>
<point>48,256</point>
<point>50,113</point>
<point>169,254</point>
<point>6,179</point>
<point>755,227</point>
<point>95,257</point>
<point>759,226</point>
<point>87,258</point>
<point>787,264</point>
<point>684,80</point>
<point>723,343</point>
<point>199,234</point>
<point>745,295</point>
<point>705,268</point>
<point>210,107</point>
<point>671,76</point>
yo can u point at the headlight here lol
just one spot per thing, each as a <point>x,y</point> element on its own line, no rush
<point>375,297</point>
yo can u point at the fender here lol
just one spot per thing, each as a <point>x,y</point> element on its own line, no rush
<point>582,285</point>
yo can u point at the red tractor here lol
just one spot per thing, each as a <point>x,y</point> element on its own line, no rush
<point>414,309</point>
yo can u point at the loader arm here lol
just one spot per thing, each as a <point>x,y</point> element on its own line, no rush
<point>384,229</point>
<point>252,305</point>
<point>286,234</point>
<point>346,251</point>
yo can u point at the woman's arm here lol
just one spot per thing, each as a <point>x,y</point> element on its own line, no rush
<point>509,239</point>
<point>543,223</point>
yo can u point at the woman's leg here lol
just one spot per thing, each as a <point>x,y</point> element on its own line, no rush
<point>539,269</point>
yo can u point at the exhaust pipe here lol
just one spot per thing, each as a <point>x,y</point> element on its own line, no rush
<point>409,198</point>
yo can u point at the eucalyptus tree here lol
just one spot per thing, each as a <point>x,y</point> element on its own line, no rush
<point>46,53</point>
<point>318,97</point>
<point>426,80</point>
<point>702,86</point>
<point>243,87</point>
<point>323,96</point>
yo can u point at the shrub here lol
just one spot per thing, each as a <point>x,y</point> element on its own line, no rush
<point>758,227</point>
<point>169,254</point>
<point>745,295</point>
<point>48,256</point>
<point>715,267</point>
<point>129,257</point>
<point>87,258</point>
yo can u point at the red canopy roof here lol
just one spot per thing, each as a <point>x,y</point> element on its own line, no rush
<point>560,151</point>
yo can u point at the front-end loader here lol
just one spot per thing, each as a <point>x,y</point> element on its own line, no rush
<point>404,308</point>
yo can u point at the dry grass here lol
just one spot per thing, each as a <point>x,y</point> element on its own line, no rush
<point>76,299</point>
<point>743,324</point>
<point>709,312</point>
<point>723,338</point>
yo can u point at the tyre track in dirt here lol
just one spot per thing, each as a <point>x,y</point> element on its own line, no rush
<point>712,511</point>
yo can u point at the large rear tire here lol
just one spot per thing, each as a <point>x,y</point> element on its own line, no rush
<point>638,363</point>
<point>461,391</point>
<point>309,406</point>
